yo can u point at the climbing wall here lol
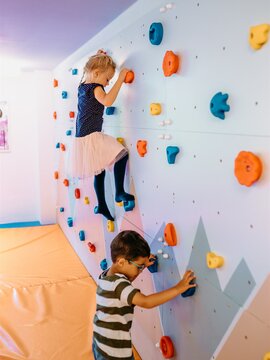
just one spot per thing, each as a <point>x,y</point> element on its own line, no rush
<point>214,109</point>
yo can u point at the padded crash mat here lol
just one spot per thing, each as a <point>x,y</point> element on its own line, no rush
<point>47,297</point>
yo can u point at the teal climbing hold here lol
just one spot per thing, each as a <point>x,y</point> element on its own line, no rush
<point>103,264</point>
<point>64,94</point>
<point>82,235</point>
<point>70,221</point>
<point>172,151</point>
<point>74,71</point>
<point>218,105</point>
<point>156,33</point>
<point>110,110</point>
<point>68,132</point>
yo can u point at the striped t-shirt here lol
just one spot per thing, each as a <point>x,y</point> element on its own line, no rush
<point>114,315</point>
<point>90,111</point>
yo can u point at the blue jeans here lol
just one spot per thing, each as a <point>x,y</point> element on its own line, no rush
<point>97,355</point>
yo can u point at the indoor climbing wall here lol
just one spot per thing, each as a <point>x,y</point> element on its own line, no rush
<point>196,123</point>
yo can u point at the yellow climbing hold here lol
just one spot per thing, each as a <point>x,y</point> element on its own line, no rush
<point>258,35</point>
<point>155,109</point>
<point>86,200</point>
<point>214,261</point>
<point>110,226</point>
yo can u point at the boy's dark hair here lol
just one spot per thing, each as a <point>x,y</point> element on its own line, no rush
<point>129,245</point>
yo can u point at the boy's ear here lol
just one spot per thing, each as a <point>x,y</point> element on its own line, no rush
<point>121,261</point>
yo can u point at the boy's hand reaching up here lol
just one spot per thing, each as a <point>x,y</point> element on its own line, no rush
<point>186,282</point>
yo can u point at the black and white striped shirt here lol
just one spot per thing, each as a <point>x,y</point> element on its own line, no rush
<point>114,315</point>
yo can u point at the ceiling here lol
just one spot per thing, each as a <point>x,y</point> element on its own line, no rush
<point>44,32</point>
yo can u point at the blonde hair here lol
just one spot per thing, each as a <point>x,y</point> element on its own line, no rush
<point>100,61</point>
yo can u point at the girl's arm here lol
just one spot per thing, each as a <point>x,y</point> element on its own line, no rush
<point>150,301</point>
<point>109,98</point>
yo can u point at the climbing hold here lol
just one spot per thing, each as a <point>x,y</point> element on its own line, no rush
<point>74,71</point>
<point>72,114</point>
<point>170,234</point>
<point>55,115</point>
<point>86,200</point>
<point>82,235</point>
<point>214,261</point>
<point>61,209</point>
<point>162,9</point>
<point>165,256</point>
<point>129,205</point>
<point>247,168</point>
<point>258,36</point>
<point>70,221</point>
<point>129,77</point>
<point>57,145</point>
<point>169,6</point>
<point>77,193</point>
<point>91,247</point>
<point>190,291</point>
<point>166,347</point>
<point>160,251</point>
<point>156,33</point>
<point>66,182</point>
<point>64,94</point>
<point>168,122</point>
<point>110,110</point>
<point>218,105</point>
<point>68,132</point>
<point>267,356</point>
<point>172,151</point>
<point>155,109</point>
<point>160,239</point>
<point>120,203</point>
<point>142,147</point>
<point>110,226</point>
<point>62,146</point>
<point>103,264</point>
<point>55,83</point>
<point>153,268</point>
<point>171,63</point>
<point>56,175</point>
<point>120,140</point>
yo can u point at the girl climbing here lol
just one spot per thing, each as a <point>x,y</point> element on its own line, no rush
<point>94,151</point>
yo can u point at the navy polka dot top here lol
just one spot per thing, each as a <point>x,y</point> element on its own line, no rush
<point>90,111</point>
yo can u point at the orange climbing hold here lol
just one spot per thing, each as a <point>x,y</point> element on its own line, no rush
<point>170,63</point>
<point>55,83</point>
<point>247,168</point>
<point>166,347</point>
<point>63,148</point>
<point>66,182</point>
<point>170,234</point>
<point>55,115</point>
<point>77,193</point>
<point>141,147</point>
<point>72,114</point>
<point>129,77</point>
<point>56,175</point>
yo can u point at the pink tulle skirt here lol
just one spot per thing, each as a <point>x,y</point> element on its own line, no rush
<point>92,154</point>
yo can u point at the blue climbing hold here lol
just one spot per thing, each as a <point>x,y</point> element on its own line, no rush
<point>82,235</point>
<point>172,151</point>
<point>74,71</point>
<point>61,209</point>
<point>218,105</point>
<point>68,132</point>
<point>57,145</point>
<point>70,221</point>
<point>103,264</point>
<point>156,33</point>
<point>129,205</point>
<point>190,291</point>
<point>154,267</point>
<point>64,94</point>
<point>110,110</point>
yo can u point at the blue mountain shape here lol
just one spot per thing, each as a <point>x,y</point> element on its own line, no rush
<point>197,324</point>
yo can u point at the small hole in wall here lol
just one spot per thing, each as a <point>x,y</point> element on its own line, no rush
<point>170,309</point>
<point>171,272</point>
<point>142,110</point>
<point>251,226</point>
<point>174,108</point>
<point>246,337</point>
<point>156,223</point>
<point>157,186</point>
<point>189,332</point>
<point>218,212</point>
<point>196,57</point>
<point>256,103</point>
<point>215,311</point>
<point>223,48</point>
<point>143,35</point>
<point>157,148</point>
<point>142,73</point>
<point>130,110</point>
<point>176,17</point>
<point>157,69</point>
<point>220,160</point>
<point>142,214</point>
<point>120,47</point>
<point>249,282</point>
<point>143,25</point>
<point>143,181</point>
<point>198,4</point>
<point>193,201</point>
<point>131,42</point>
<point>141,310</point>
<point>195,107</point>
<point>154,326</point>
<point>194,156</point>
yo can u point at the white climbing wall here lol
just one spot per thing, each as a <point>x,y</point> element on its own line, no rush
<point>199,194</point>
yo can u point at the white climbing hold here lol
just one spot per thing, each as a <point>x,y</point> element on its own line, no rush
<point>159,251</point>
<point>162,9</point>
<point>165,256</point>
<point>160,239</point>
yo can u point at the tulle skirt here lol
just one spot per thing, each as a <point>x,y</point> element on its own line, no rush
<point>92,154</point>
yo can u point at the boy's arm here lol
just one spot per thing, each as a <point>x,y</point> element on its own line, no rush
<point>150,301</point>
<point>107,99</point>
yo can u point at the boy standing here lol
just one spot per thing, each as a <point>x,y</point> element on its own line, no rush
<point>116,297</point>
